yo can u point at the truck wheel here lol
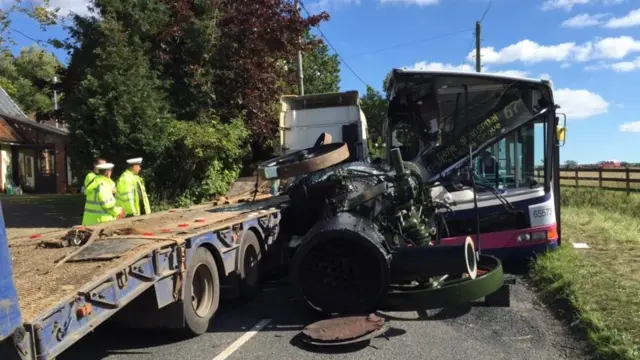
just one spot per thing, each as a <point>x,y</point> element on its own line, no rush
<point>202,292</point>
<point>249,265</point>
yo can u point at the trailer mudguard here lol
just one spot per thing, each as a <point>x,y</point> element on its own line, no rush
<point>10,315</point>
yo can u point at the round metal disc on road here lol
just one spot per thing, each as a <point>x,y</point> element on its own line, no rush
<point>344,330</point>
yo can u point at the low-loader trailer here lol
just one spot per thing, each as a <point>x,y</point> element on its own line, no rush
<point>167,269</point>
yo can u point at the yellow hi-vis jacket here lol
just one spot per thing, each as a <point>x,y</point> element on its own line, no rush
<point>92,176</point>
<point>131,192</point>
<point>100,204</point>
<point>89,178</point>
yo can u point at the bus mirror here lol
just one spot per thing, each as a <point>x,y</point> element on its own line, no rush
<point>561,131</point>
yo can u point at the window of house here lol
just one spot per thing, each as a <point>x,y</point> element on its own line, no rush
<point>46,162</point>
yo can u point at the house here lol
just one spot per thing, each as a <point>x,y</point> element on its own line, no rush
<point>32,155</point>
<point>610,164</point>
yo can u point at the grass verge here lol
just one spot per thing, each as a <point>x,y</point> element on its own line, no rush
<point>601,283</point>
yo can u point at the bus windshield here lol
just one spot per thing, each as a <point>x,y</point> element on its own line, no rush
<point>436,119</point>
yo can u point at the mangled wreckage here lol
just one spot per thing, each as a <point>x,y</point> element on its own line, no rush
<point>368,234</point>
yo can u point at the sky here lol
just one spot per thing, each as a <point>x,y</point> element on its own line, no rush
<point>589,49</point>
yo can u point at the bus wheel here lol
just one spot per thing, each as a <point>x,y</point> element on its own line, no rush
<point>249,265</point>
<point>202,292</point>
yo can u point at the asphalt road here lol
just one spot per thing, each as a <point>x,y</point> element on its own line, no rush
<point>526,330</point>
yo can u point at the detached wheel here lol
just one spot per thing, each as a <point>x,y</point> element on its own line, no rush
<point>249,265</point>
<point>202,292</point>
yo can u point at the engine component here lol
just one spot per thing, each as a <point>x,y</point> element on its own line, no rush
<point>448,290</point>
<point>423,263</point>
<point>342,266</point>
<point>368,234</point>
<point>304,161</point>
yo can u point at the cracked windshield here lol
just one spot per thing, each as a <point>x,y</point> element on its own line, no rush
<point>288,179</point>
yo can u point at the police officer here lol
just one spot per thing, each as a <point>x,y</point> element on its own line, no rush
<point>92,174</point>
<point>132,195</point>
<point>100,203</point>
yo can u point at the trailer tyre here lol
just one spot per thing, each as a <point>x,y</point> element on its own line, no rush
<point>202,292</point>
<point>249,265</point>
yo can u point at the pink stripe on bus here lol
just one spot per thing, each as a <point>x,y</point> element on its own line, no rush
<point>505,239</point>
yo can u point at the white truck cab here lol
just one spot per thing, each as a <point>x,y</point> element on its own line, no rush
<point>303,118</point>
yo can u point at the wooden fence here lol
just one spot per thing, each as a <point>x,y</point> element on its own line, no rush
<point>622,179</point>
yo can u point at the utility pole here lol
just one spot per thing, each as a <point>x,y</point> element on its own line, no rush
<point>478,30</point>
<point>300,75</point>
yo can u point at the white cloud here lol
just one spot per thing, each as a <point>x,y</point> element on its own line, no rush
<point>530,52</point>
<point>576,103</point>
<point>565,65</point>
<point>584,20</point>
<point>325,5</point>
<point>526,51</point>
<point>423,65</point>
<point>580,103</point>
<point>437,66</point>
<point>626,66</point>
<point>568,5</point>
<point>630,20</point>
<point>621,66</point>
<point>514,73</point>
<point>411,2</point>
<point>562,4</point>
<point>630,127</point>
<point>67,7</point>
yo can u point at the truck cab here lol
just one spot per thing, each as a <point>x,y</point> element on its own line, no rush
<point>304,118</point>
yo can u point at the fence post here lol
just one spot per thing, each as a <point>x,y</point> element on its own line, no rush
<point>628,182</point>
<point>576,177</point>
<point>600,178</point>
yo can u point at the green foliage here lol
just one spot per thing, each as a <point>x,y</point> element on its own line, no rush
<point>39,11</point>
<point>141,83</point>
<point>607,200</point>
<point>600,284</point>
<point>255,40</point>
<point>374,106</point>
<point>28,78</point>
<point>203,160</point>
<point>320,69</point>
<point>571,163</point>
<point>117,110</point>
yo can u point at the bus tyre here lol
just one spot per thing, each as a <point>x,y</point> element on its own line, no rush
<point>202,292</point>
<point>249,265</point>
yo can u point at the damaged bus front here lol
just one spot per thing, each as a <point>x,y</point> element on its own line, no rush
<point>491,145</point>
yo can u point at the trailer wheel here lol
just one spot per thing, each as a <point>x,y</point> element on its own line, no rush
<point>249,265</point>
<point>202,292</point>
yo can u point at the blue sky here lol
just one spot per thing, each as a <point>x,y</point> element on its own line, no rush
<point>590,49</point>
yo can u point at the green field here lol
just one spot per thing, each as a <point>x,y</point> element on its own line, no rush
<point>601,283</point>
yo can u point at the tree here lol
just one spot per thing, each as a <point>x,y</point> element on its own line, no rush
<point>321,70</point>
<point>28,78</point>
<point>571,163</point>
<point>374,106</point>
<point>255,38</point>
<point>210,71</point>
<point>40,11</point>
<point>117,110</point>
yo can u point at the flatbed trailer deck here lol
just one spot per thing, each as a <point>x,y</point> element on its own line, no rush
<point>62,303</point>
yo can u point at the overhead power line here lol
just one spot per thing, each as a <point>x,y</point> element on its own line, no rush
<point>334,49</point>
<point>413,42</point>
<point>484,14</point>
